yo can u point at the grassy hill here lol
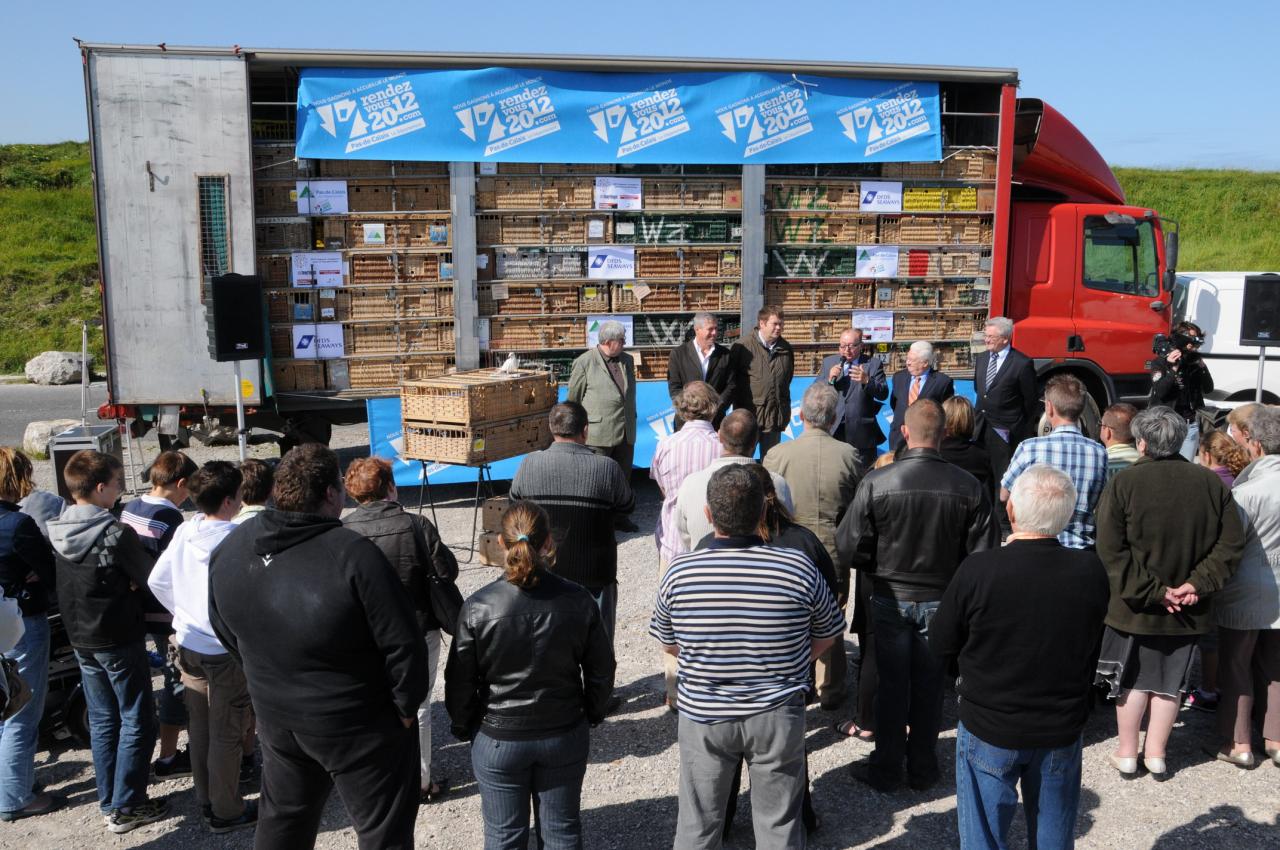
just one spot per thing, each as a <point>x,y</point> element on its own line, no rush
<point>49,262</point>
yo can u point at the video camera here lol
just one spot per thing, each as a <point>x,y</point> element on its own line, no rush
<point>1162,344</point>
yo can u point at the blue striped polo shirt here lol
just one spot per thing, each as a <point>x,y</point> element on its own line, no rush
<point>744,616</point>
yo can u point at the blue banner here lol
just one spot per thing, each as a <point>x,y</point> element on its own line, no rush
<point>525,115</point>
<point>653,412</point>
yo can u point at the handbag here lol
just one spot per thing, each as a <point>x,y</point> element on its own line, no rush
<point>443,595</point>
<point>16,693</point>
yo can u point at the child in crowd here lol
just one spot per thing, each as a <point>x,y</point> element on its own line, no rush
<point>256,490</point>
<point>155,517</point>
<point>101,564</point>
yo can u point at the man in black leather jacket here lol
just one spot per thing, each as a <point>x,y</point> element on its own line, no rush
<point>910,525</point>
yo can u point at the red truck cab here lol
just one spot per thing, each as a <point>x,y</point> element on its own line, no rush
<point>1088,279</point>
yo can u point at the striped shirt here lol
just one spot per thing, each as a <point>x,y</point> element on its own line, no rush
<point>744,616</point>
<point>1085,463</point>
<point>155,519</point>
<point>688,450</point>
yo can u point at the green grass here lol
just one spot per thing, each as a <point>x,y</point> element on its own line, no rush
<point>48,253</point>
<point>49,262</point>
<point>1227,219</point>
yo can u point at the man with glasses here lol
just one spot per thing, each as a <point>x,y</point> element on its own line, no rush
<point>859,380</point>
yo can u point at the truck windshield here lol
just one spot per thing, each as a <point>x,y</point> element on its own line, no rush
<point>1120,257</point>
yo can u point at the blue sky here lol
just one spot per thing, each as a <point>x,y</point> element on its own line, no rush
<point>1175,84</point>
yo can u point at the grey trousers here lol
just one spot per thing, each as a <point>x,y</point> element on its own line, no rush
<point>772,743</point>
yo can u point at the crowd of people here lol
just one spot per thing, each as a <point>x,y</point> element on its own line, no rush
<point>1039,573</point>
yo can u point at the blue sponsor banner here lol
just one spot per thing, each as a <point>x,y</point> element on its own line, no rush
<point>653,414</point>
<point>526,115</point>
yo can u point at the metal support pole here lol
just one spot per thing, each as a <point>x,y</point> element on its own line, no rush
<point>242,433</point>
<point>1262,365</point>
<point>84,374</point>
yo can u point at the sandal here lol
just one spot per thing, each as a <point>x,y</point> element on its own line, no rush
<point>852,730</point>
<point>438,789</point>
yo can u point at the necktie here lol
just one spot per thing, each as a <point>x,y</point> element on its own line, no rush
<point>615,372</point>
<point>915,391</point>
<point>992,365</point>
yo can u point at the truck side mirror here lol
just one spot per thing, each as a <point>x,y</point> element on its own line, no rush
<point>1170,258</point>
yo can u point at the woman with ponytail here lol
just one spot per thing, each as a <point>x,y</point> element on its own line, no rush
<point>530,668</point>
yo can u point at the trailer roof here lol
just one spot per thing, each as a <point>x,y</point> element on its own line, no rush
<point>416,59</point>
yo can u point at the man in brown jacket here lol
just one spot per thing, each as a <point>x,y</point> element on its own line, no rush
<point>823,474</point>
<point>764,363</point>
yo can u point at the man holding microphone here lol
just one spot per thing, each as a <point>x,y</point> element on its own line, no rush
<point>859,380</point>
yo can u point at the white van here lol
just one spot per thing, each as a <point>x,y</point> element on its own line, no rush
<point>1214,301</point>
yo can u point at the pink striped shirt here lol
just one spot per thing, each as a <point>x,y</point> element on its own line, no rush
<point>689,450</point>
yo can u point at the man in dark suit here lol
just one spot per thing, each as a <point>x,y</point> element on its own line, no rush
<point>1008,403</point>
<point>919,380</point>
<point>859,380</point>
<point>702,359</point>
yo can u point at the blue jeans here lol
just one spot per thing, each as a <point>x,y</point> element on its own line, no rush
<point>122,722</point>
<point>910,691</point>
<point>19,734</point>
<point>1191,445</point>
<point>987,779</point>
<point>550,770</point>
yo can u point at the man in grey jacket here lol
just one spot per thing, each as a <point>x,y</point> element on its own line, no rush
<point>603,381</point>
<point>583,493</point>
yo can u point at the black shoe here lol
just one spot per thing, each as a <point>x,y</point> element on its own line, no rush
<point>863,773</point>
<point>831,703</point>
<point>249,817</point>
<point>174,767</point>
<point>43,804</point>
<point>614,704</point>
<point>624,524</point>
<point>922,783</point>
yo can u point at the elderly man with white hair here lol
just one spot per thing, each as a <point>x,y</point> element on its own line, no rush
<point>1008,405</point>
<point>918,380</point>
<point>1021,626</point>
<point>603,381</point>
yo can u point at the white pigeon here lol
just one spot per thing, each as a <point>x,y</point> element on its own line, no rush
<point>510,365</point>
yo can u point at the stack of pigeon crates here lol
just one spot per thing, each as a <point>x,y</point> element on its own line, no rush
<point>477,417</point>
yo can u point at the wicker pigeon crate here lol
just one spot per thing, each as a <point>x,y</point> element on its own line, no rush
<point>594,298</point>
<point>963,326</point>
<point>399,233</point>
<point>808,358</point>
<point>274,269</point>
<point>475,445</point>
<point>796,195</point>
<point>912,170</point>
<point>479,396</point>
<point>284,236</point>
<point>524,299</point>
<point>536,334</point>
<point>372,304</point>
<point>399,337</point>
<point>970,165</point>
<point>391,268</point>
<point>916,295</point>
<point>916,326</point>
<point>955,357</point>
<point>276,161</point>
<point>425,302</point>
<point>295,375</point>
<point>652,365</point>
<point>959,263</point>
<point>965,295</point>
<point>386,373</point>
<point>819,295</point>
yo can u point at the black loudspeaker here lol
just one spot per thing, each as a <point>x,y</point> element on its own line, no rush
<point>1260,317</point>
<point>233,309</point>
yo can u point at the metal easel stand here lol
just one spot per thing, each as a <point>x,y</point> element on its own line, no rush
<point>483,475</point>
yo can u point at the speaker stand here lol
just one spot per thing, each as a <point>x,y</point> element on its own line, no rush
<point>242,434</point>
<point>1262,365</point>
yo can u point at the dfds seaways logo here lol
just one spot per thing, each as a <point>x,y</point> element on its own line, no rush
<point>597,262</point>
<point>304,342</point>
<point>373,113</point>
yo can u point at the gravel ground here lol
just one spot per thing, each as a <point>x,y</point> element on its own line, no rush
<point>629,798</point>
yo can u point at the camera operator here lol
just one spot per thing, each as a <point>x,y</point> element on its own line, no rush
<point>1180,378</point>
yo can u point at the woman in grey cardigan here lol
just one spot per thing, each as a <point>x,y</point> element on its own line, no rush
<point>1247,608</point>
